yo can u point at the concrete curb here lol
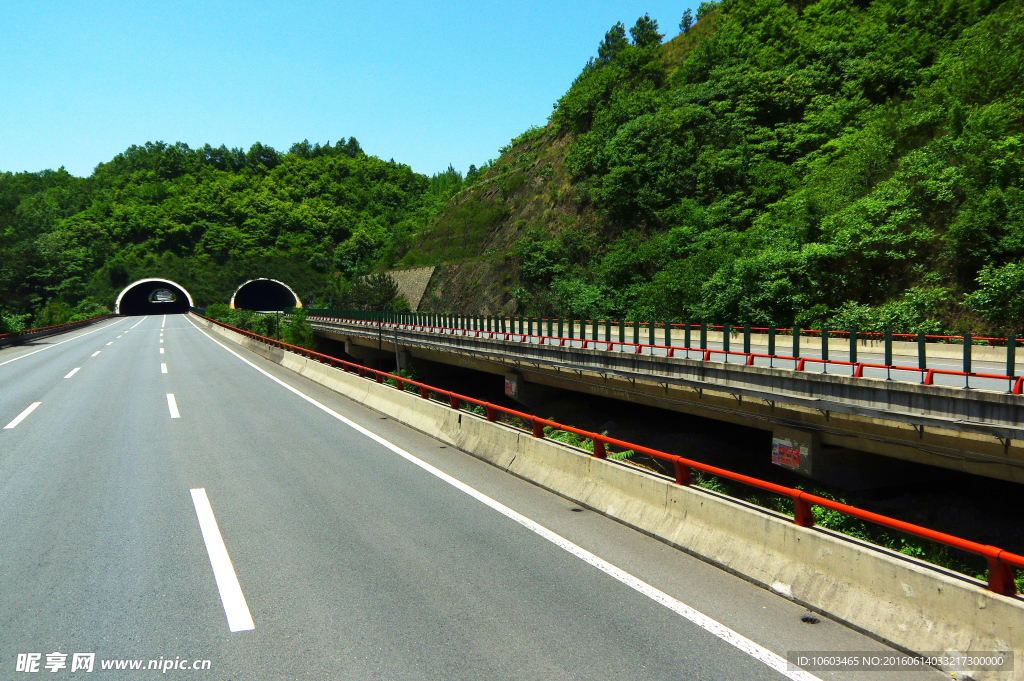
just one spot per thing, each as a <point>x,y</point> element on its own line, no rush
<point>904,602</point>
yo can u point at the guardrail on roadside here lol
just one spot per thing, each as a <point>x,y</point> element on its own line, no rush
<point>14,337</point>
<point>1000,562</point>
<point>703,352</point>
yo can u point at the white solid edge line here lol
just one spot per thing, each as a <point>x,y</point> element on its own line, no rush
<point>28,354</point>
<point>21,417</point>
<point>172,406</point>
<point>95,353</point>
<point>163,368</point>
<point>138,322</point>
<point>733,638</point>
<point>235,607</point>
<point>72,372</point>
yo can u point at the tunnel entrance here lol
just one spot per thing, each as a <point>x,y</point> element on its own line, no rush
<point>153,296</point>
<point>264,295</point>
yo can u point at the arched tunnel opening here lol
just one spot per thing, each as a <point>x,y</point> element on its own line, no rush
<point>264,295</point>
<point>153,296</point>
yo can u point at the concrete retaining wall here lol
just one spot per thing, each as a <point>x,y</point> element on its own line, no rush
<point>904,602</point>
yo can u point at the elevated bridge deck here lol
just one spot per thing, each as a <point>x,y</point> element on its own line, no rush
<point>978,430</point>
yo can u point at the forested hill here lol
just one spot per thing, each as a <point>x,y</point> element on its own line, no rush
<point>852,163</point>
<point>208,218</point>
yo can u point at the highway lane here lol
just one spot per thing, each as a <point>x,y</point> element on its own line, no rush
<point>23,366</point>
<point>354,562</point>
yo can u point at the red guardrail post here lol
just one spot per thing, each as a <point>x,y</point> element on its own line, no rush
<point>380,376</point>
<point>538,428</point>
<point>1018,386</point>
<point>453,400</point>
<point>599,450</point>
<point>1000,575</point>
<point>802,514</point>
<point>492,413</point>
<point>683,474</point>
<point>424,392</point>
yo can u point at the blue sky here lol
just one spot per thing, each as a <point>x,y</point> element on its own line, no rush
<point>427,84</point>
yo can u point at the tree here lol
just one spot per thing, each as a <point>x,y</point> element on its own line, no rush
<point>645,32</point>
<point>375,292</point>
<point>705,9</point>
<point>613,43</point>
<point>687,21</point>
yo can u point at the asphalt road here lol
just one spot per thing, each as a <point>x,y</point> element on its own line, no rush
<point>324,553</point>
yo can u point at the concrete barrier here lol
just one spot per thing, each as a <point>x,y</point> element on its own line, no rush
<point>18,338</point>
<point>907,603</point>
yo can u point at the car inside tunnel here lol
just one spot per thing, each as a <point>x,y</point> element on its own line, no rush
<point>264,295</point>
<point>153,296</point>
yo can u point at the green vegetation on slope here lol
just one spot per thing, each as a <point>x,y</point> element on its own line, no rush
<point>317,217</point>
<point>849,164</point>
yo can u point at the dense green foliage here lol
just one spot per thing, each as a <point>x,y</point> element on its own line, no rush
<point>317,217</point>
<point>846,163</point>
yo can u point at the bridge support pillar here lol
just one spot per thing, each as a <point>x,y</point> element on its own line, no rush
<point>528,394</point>
<point>801,451</point>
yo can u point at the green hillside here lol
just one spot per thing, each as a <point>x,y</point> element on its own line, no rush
<point>207,218</point>
<point>836,162</point>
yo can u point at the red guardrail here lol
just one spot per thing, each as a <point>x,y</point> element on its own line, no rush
<point>51,328</point>
<point>1000,562</point>
<point>705,354</point>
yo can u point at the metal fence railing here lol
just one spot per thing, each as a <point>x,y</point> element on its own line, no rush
<point>684,339</point>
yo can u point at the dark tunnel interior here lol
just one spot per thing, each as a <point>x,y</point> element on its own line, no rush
<point>264,295</point>
<point>151,297</point>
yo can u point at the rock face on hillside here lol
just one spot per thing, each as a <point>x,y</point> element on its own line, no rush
<point>412,284</point>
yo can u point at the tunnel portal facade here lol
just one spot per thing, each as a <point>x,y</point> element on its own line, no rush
<point>153,296</point>
<point>264,295</point>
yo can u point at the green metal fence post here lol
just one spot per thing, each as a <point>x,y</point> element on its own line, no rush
<point>1011,346</point>
<point>593,329</point>
<point>967,358</point>
<point>686,336</point>
<point>922,359</point>
<point>636,333</point>
<point>824,348</point>
<point>668,333</point>
<point>572,329</point>
<point>887,339</point>
<point>746,339</point>
<point>652,328</point>
<point>771,346</point>
<point>561,328</point>
<point>726,337</point>
<point>622,331</point>
<point>608,329</point>
<point>796,341</point>
<point>703,335</point>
